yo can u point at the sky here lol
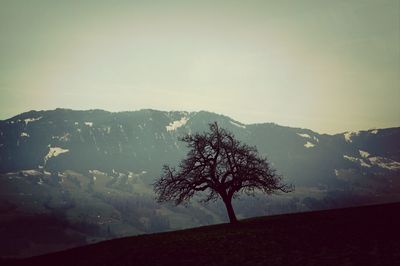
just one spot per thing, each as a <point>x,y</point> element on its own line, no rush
<point>330,66</point>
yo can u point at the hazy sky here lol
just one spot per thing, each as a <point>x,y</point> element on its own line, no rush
<point>330,66</point>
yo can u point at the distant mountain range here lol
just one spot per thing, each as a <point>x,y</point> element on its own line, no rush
<point>89,173</point>
<point>59,140</point>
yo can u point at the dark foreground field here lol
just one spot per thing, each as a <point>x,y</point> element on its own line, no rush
<point>353,236</point>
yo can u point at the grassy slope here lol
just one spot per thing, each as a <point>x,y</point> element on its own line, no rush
<point>353,236</point>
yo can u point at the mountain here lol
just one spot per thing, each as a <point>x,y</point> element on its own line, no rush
<point>334,237</point>
<point>139,141</point>
<point>86,176</point>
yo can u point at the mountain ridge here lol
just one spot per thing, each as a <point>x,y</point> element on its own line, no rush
<point>182,111</point>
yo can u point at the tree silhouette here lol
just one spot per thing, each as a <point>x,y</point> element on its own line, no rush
<point>221,166</point>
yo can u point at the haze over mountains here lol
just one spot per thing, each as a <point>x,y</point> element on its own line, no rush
<point>85,176</point>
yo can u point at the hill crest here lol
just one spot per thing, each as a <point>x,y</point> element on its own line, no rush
<point>330,237</point>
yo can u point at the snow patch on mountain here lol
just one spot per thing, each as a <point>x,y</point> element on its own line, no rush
<point>309,145</point>
<point>357,160</point>
<point>336,172</point>
<point>29,120</point>
<point>348,135</point>
<point>65,137</point>
<point>40,182</point>
<point>378,161</point>
<point>54,152</point>
<point>385,163</point>
<point>237,124</point>
<point>24,134</point>
<point>364,154</point>
<point>364,164</point>
<point>31,172</point>
<point>352,159</point>
<point>177,124</point>
<point>304,135</point>
<point>96,172</point>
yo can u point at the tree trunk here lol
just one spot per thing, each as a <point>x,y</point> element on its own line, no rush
<point>231,212</point>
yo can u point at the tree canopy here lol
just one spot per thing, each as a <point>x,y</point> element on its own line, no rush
<point>220,166</point>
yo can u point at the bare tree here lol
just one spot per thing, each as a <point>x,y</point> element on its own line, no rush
<point>221,166</point>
